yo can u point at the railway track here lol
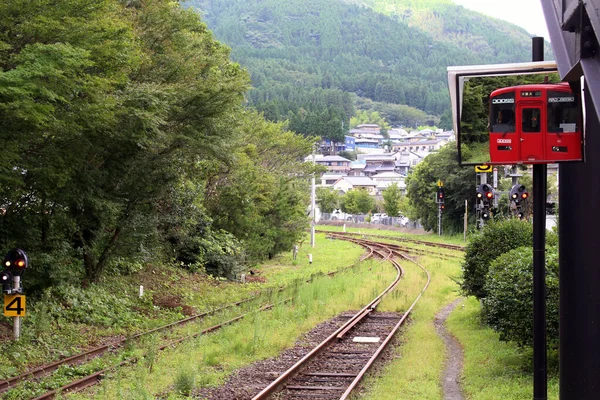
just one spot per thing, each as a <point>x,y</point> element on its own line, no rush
<point>410,250</point>
<point>399,239</point>
<point>94,378</point>
<point>334,368</point>
<point>370,323</point>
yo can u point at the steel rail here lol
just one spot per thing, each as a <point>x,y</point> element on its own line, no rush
<point>98,351</point>
<point>456,247</point>
<point>446,256</point>
<point>47,369</point>
<point>390,336</point>
<point>93,379</point>
<point>273,386</point>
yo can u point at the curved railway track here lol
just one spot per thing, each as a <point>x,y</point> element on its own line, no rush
<point>96,377</point>
<point>410,250</point>
<point>367,322</point>
<point>334,368</point>
<point>399,239</point>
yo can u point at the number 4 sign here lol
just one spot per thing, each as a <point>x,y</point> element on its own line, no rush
<point>14,305</point>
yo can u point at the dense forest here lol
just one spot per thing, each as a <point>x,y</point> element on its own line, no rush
<point>306,56</point>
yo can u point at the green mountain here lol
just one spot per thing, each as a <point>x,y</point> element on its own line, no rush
<point>309,59</point>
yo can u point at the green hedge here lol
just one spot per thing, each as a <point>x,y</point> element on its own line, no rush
<point>508,306</point>
<point>495,239</point>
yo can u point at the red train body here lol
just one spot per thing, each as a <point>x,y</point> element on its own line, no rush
<point>535,124</point>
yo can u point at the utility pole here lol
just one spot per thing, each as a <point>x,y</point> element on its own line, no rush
<point>440,200</point>
<point>312,205</point>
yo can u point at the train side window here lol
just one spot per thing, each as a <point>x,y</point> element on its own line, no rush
<point>530,120</point>
<point>502,113</point>
<point>563,112</point>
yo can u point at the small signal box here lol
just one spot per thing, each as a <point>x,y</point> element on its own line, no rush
<point>15,262</point>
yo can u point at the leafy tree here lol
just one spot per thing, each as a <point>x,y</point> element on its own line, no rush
<point>392,197</point>
<point>260,192</point>
<point>103,127</point>
<point>373,117</point>
<point>358,201</point>
<point>350,155</point>
<point>328,199</point>
<point>459,184</point>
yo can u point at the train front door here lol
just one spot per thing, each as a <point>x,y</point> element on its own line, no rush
<point>529,119</point>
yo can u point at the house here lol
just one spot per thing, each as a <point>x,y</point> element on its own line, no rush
<point>406,160</point>
<point>367,145</point>
<point>329,147</point>
<point>348,183</point>
<point>421,147</point>
<point>357,167</point>
<point>448,136</point>
<point>335,164</point>
<point>386,179</point>
<point>328,179</point>
<point>349,143</point>
<point>378,163</point>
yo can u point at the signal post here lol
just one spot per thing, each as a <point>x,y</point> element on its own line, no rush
<point>15,263</point>
<point>440,201</point>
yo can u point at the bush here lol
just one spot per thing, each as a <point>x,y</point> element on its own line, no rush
<point>493,240</point>
<point>508,307</point>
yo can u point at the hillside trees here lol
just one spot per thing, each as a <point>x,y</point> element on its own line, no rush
<point>321,46</point>
<point>110,115</point>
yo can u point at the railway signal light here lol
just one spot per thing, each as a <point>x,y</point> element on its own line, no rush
<point>518,193</point>
<point>485,192</point>
<point>485,214</point>
<point>6,280</point>
<point>16,262</point>
<point>440,195</point>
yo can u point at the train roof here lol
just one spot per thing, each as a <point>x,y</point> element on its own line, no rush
<point>561,86</point>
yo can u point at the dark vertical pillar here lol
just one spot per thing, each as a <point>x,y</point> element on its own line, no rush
<point>540,387</point>
<point>579,240</point>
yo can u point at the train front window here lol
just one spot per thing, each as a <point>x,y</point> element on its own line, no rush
<point>563,112</point>
<point>530,120</point>
<point>502,113</point>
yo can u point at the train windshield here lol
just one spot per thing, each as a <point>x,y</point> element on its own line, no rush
<point>563,112</point>
<point>502,113</point>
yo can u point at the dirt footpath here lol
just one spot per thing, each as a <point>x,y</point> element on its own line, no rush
<point>451,377</point>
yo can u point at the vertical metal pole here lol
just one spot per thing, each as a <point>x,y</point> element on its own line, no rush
<point>466,219</point>
<point>439,220</point>
<point>482,180</point>
<point>540,387</point>
<point>312,206</point>
<point>495,185</point>
<point>17,320</point>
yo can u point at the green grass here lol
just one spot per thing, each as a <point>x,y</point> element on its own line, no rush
<point>493,369</point>
<point>415,371</point>
<point>213,357</point>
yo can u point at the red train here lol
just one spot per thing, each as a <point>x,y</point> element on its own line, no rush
<point>535,124</point>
